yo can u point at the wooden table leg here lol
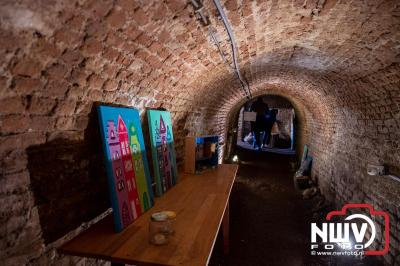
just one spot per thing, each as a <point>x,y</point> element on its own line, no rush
<point>225,229</point>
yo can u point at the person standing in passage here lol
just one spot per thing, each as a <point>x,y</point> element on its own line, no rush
<point>270,119</point>
<point>258,126</point>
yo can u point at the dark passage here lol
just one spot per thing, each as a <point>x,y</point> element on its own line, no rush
<point>270,222</point>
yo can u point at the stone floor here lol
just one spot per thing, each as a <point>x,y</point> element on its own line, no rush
<point>270,222</point>
<point>246,145</point>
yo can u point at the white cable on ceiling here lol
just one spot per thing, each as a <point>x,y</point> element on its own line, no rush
<point>234,48</point>
<point>215,40</point>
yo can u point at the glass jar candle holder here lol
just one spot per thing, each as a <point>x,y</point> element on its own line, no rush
<point>159,229</point>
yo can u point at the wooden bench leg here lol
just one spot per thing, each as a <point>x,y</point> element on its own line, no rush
<point>225,229</point>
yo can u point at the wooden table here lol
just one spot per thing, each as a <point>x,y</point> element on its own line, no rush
<point>200,201</point>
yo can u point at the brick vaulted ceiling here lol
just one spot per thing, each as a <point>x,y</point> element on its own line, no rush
<point>338,62</point>
<point>58,57</point>
<point>156,49</point>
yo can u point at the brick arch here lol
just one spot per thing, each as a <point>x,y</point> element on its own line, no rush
<point>233,115</point>
<point>305,90</point>
<point>231,121</point>
<point>348,118</point>
<point>314,96</point>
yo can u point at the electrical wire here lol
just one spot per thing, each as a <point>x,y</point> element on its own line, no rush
<point>215,40</point>
<point>243,83</point>
<point>202,15</point>
<point>235,71</point>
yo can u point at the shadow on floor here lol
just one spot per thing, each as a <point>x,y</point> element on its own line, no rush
<point>270,222</point>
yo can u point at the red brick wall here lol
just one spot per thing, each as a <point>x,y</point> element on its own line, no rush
<point>344,131</point>
<point>336,62</point>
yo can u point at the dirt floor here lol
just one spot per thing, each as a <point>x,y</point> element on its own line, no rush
<point>270,222</point>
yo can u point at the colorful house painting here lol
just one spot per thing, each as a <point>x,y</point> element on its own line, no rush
<point>128,168</point>
<point>114,149</point>
<point>163,150</point>
<point>126,163</point>
<point>139,167</point>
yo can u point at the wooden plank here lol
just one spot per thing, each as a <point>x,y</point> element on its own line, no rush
<point>190,156</point>
<point>198,200</point>
<point>225,230</point>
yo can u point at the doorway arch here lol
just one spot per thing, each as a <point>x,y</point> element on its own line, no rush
<point>282,139</point>
<point>235,132</point>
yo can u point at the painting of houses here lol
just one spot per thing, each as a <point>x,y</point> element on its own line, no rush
<point>163,150</point>
<point>126,163</point>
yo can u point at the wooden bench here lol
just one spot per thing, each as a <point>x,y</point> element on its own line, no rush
<point>200,201</point>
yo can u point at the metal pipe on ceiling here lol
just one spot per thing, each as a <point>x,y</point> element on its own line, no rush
<point>228,28</point>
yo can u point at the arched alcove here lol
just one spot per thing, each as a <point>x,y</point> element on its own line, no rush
<point>291,131</point>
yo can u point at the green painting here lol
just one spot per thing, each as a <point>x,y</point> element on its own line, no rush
<point>163,150</point>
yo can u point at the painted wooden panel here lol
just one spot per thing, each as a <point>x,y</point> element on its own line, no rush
<point>163,150</point>
<point>126,163</point>
<point>201,153</point>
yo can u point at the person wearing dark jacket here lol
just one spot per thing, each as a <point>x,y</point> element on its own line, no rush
<point>270,119</point>
<point>258,126</point>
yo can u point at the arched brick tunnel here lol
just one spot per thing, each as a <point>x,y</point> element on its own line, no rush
<point>337,62</point>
